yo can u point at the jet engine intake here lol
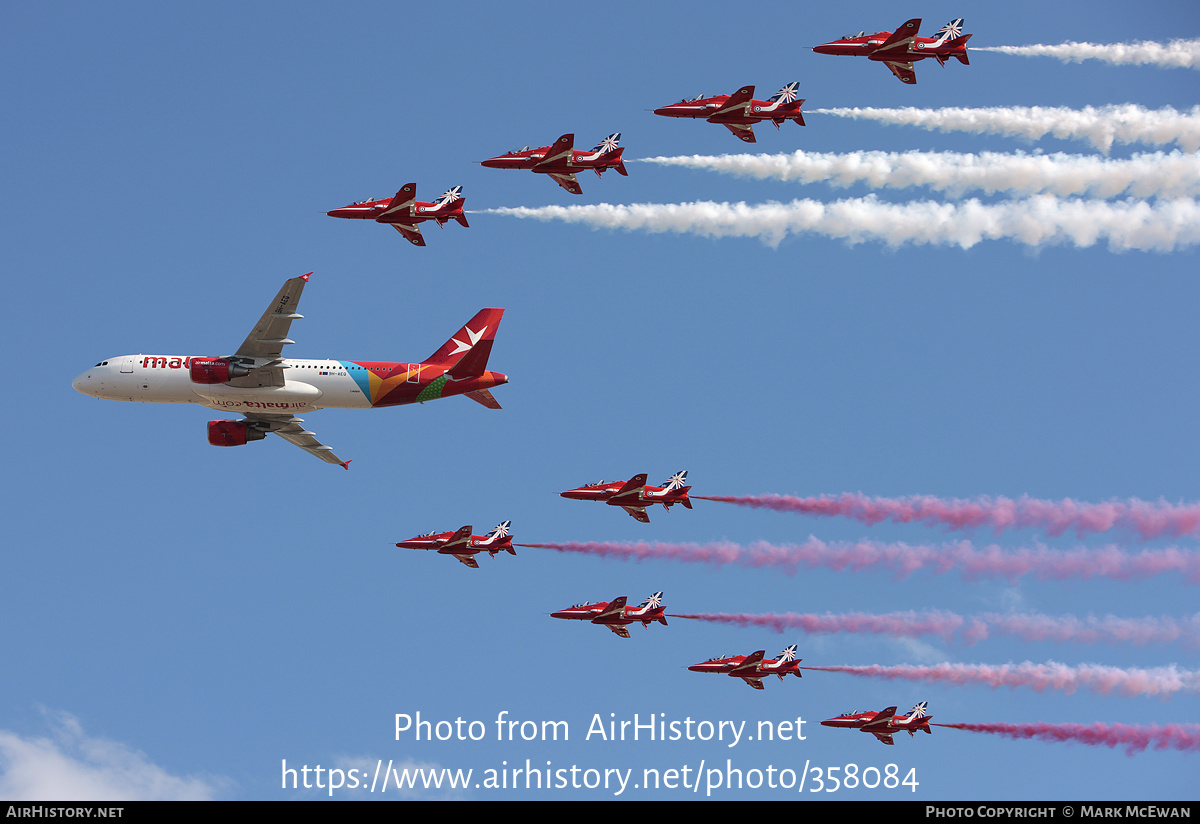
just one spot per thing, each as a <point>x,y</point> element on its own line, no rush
<point>216,370</point>
<point>233,433</point>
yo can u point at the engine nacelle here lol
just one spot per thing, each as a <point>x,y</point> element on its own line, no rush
<point>233,433</point>
<point>215,370</point>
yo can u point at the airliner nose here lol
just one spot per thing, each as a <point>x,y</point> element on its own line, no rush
<point>81,383</point>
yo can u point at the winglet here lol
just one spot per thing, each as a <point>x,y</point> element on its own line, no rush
<point>305,277</point>
<point>346,464</point>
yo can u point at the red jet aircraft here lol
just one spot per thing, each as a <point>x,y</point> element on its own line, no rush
<point>561,161</point>
<point>739,111</point>
<point>615,615</point>
<point>463,545</point>
<point>404,211</point>
<point>634,496</point>
<point>751,668</point>
<point>898,50</point>
<point>883,724</point>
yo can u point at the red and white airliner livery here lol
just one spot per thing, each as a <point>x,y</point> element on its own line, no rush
<point>882,724</point>
<point>898,50</point>
<point>403,212</point>
<point>739,111</point>
<point>463,545</point>
<point>269,390</point>
<point>752,668</point>
<point>561,160</point>
<point>615,614</point>
<point>634,496</point>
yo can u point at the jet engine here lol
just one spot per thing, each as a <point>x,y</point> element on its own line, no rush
<point>216,370</point>
<point>233,433</point>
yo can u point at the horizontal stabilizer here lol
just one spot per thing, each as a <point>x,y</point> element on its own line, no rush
<point>484,397</point>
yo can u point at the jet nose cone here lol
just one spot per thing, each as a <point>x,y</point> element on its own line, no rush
<point>493,162</point>
<point>81,384</point>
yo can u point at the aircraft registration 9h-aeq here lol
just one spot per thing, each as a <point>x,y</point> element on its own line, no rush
<point>269,390</point>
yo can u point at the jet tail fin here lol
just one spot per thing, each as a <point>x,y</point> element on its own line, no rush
<point>620,167</point>
<point>961,41</point>
<point>685,500</point>
<point>462,219</point>
<point>466,353</point>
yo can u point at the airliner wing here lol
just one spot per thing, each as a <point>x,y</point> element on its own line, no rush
<point>289,428</point>
<point>270,335</point>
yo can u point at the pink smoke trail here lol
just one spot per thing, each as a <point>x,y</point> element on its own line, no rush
<point>904,559</point>
<point>1147,519</point>
<point>1134,738</point>
<point>951,627</point>
<point>1159,681</point>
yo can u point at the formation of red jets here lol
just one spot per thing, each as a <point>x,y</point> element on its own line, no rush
<point>738,112</point>
<point>561,162</point>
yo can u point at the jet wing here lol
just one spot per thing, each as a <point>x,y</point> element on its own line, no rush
<point>736,102</point>
<point>401,203</point>
<point>270,335</point>
<point>638,513</point>
<point>904,71</point>
<point>880,719</point>
<point>633,487</point>
<point>615,607</point>
<point>288,427</point>
<point>619,630</point>
<point>885,737</point>
<point>411,233</point>
<point>741,131</point>
<point>459,540</point>
<point>559,153</point>
<point>749,665</point>
<point>568,182</point>
<point>754,682</point>
<point>903,36</point>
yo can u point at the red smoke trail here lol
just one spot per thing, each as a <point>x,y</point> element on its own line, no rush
<point>1147,519</point>
<point>1133,737</point>
<point>904,559</point>
<point>951,627</point>
<point>1160,681</point>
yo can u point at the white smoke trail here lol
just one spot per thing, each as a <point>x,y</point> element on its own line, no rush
<point>1157,174</point>
<point>1176,54</point>
<point>1039,221</point>
<point>1102,126</point>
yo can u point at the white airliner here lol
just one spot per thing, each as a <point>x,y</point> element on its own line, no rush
<point>269,389</point>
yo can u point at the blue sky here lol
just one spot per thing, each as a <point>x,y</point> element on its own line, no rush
<point>200,615</point>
